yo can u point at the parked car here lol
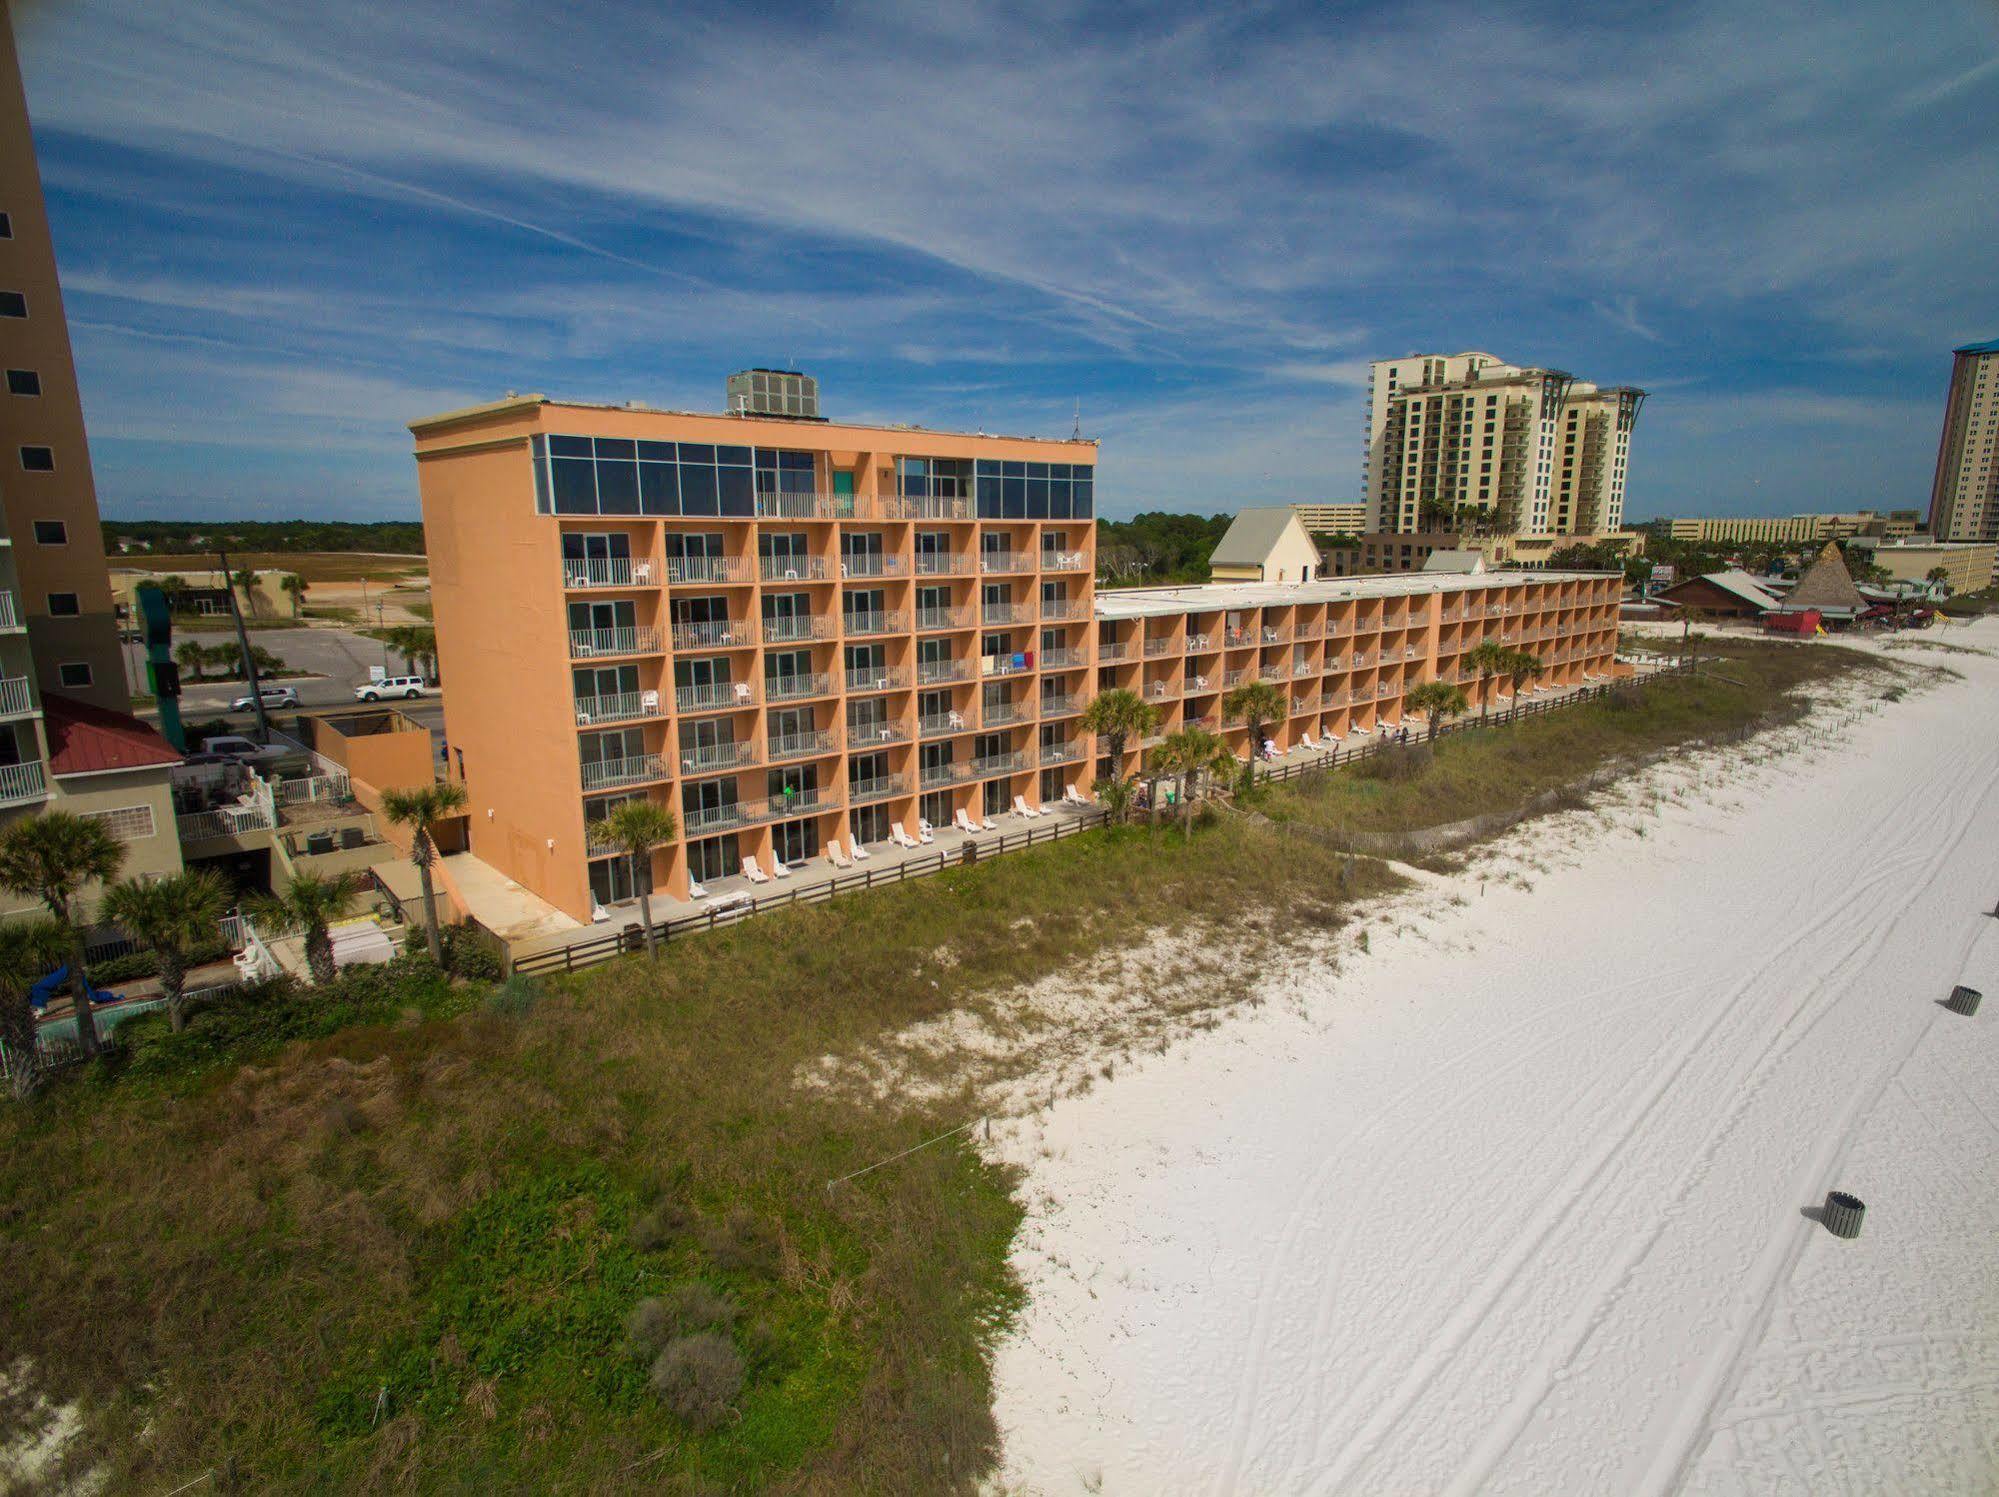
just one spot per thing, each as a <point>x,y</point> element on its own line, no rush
<point>274,696</point>
<point>392,686</point>
<point>234,747</point>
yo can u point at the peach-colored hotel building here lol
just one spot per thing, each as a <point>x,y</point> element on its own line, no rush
<point>790,630</point>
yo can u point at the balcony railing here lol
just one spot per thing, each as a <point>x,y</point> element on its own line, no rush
<point>1238,637</point>
<point>1276,636</point>
<point>607,571</point>
<point>800,802</point>
<point>1064,561</point>
<point>1275,673</point>
<point>1061,659</point>
<point>714,696</point>
<point>602,772</point>
<point>588,644</point>
<point>869,564</point>
<point>714,634</point>
<point>1005,561</point>
<point>708,758</point>
<point>791,688</point>
<point>20,782</point>
<point>1004,613</point>
<point>791,568</point>
<point>716,818</point>
<point>942,724</point>
<point>1111,650</point>
<point>1196,643</point>
<point>1063,610</point>
<point>865,623</point>
<point>1063,705</point>
<point>876,678</point>
<point>707,569</point>
<point>864,734</point>
<point>993,764</point>
<point>800,745</point>
<point>1067,752</point>
<point>616,707</point>
<point>1005,665</point>
<point>931,775</point>
<point>942,618</point>
<point>926,507</point>
<point>1236,677</point>
<point>999,714</point>
<point>199,826</point>
<point>943,563</point>
<point>932,672</point>
<point>1162,691</point>
<point>10,612</point>
<point>882,787</point>
<point>1193,685</point>
<point>1157,647</point>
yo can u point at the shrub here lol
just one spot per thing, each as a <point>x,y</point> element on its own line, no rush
<point>696,1377</point>
<point>739,1243</point>
<point>467,953</point>
<point>660,1226</point>
<point>1401,761</point>
<point>514,998</point>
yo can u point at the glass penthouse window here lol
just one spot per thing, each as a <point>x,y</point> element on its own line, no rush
<point>620,476</point>
<point>1035,491</point>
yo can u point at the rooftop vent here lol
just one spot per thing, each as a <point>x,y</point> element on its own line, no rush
<point>774,392</point>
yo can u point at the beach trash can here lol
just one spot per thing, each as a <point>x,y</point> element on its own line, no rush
<point>1843,1213</point>
<point>1963,1000</point>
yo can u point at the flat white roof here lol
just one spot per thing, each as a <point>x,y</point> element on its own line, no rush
<point>1151,602</point>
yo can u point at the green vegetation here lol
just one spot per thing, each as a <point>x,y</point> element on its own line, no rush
<point>180,536</point>
<point>1155,548</point>
<point>421,808</point>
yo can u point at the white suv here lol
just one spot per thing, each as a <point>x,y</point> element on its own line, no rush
<point>391,686</point>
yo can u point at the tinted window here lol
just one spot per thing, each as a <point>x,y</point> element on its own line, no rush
<point>617,487</point>
<point>13,304</point>
<point>38,459</point>
<point>569,446</point>
<point>23,382</point>
<point>575,486</point>
<point>51,533</point>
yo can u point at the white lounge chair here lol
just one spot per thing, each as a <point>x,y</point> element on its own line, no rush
<point>898,836</point>
<point>834,856</point>
<point>1021,807</point>
<point>860,854</point>
<point>1306,742</point>
<point>925,832</point>
<point>1074,796</point>
<point>695,890</point>
<point>963,821</point>
<point>777,866</point>
<point>753,873</point>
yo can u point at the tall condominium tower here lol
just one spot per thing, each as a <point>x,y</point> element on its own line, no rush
<point>1964,498</point>
<point>1459,439</point>
<point>45,483</point>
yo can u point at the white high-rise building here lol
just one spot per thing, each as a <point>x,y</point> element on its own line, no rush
<point>1467,441</point>
<point>1964,498</point>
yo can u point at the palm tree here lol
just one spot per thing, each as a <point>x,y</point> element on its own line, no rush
<point>634,829</point>
<point>309,905</point>
<point>29,951</point>
<point>1258,704</point>
<point>1439,699</point>
<point>1520,666</point>
<point>191,657</point>
<point>173,918</point>
<point>294,586</point>
<point>53,857</point>
<point>1489,658</point>
<point>421,809</point>
<point>247,580</point>
<point>1117,717</point>
<point>1115,796</point>
<point>1190,753</point>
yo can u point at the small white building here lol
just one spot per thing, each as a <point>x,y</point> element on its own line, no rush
<point>1265,545</point>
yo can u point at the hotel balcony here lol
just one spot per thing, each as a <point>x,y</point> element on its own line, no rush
<point>703,819</point>
<point>862,735</point>
<point>1196,685</point>
<point>807,506</point>
<point>1236,677</point>
<point>1061,659</point>
<point>794,688</point>
<point>800,746</point>
<point>714,758</point>
<point>1110,651</point>
<point>1274,673</point>
<point>1162,691</point>
<point>993,764</point>
<point>797,629</point>
<point>1236,638</point>
<point>879,678</point>
<point>617,707</point>
<point>1000,562</point>
<point>1005,613</point>
<point>1276,636</point>
<point>1198,644</point>
<point>933,775</point>
<point>22,782</point>
<point>862,564</point>
<point>715,634</point>
<point>791,569</point>
<point>1064,610</point>
<point>10,613</point>
<point>926,507</point>
<point>16,699</point>
<point>587,644</point>
<point>1066,705</point>
<point>940,672</point>
<point>1065,561</point>
<point>685,569</point>
<point>882,787</point>
<point>1005,665</point>
<point>715,696</point>
<point>860,625</point>
<point>942,724</point>
<point>607,571</point>
<point>632,771</point>
<point>1000,714</point>
<point>930,620</point>
<point>1158,647</point>
<point>1061,753</point>
<point>944,564</point>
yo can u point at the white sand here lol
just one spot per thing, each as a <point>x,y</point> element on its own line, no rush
<point>1512,1204</point>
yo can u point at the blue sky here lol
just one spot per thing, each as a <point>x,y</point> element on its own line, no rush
<point>281,241</point>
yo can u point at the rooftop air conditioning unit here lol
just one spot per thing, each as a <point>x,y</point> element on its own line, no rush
<point>783,393</point>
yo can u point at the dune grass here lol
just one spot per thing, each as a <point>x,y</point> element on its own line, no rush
<point>395,1250</point>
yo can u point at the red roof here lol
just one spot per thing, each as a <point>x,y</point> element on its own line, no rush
<point>84,739</point>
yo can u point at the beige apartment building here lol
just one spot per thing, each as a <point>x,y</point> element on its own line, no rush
<point>1967,566</point>
<point>1964,497</point>
<point>1527,451</point>
<point>1784,530</point>
<point>793,632</point>
<point>1333,519</point>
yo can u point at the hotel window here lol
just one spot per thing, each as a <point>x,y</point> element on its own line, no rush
<point>126,823</point>
<point>51,533</point>
<point>6,226</point>
<point>74,673</point>
<point>23,382</point>
<point>38,459</point>
<point>63,606</point>
<point>13,304</point>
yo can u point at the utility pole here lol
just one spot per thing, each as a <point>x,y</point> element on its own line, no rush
<point>243,643</point>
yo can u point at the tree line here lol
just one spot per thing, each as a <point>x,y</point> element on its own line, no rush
<point>176,536</point>
<point>1156,548</point>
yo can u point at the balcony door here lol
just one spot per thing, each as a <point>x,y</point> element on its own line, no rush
<point>594,557</point>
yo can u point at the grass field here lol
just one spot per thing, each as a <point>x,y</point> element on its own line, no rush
<point>392,1245</point>
<point>313,566</point>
